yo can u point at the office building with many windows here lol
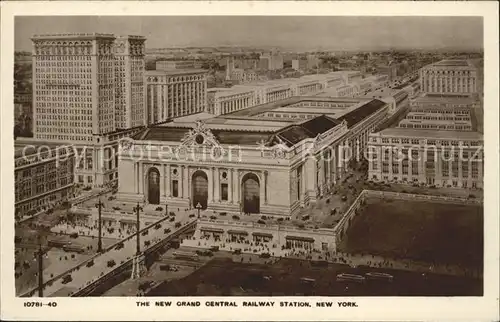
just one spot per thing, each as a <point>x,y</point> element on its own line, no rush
<point>175,93</point>
<point>450,77</point>
<point>428,157</point>
<point>88,88</point>
<point>43,177</point>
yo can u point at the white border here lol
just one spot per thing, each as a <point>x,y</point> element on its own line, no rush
<point>370,308</point>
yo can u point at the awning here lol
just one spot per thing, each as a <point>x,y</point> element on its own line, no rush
<point>308,239</point>
<point>128,221</point>
<point>108,218</point>
<point>237,232</point>
<point>215,230</point>
<point>262,234</point>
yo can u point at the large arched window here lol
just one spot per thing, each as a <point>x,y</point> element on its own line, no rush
<point>154,186</point>
<point>251,193</point>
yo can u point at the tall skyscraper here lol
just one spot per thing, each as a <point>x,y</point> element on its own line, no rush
<point>129,76</point>
<point>88,90</point>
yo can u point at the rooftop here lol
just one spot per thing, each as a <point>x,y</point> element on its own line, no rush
<point>174,72</point>
<point>357,115</point>
<point>452,62</point>
<point>27,149</point>
<point>431,134</point>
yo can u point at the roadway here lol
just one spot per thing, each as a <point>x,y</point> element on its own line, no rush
<point>84,275</point>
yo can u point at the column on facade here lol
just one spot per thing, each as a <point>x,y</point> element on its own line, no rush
<point>211,180</point>
<point>187,182</point>
<point>181,181</point>
<point>265,186</point>
<point>141,178</point>
<point>136,177</point>
<point>236,186</point>
<point>162,179</point>
<point>168,180</point>
<point>230,185</point>
<point>216,185</point>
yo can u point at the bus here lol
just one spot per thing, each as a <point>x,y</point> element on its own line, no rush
<point>73,248</point>
<point>185,256</point>
<point>57,243</point>
<point>379,276</point>
<point>345,277</point>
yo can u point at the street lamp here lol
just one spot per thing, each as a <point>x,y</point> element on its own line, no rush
<point>198,206</point>
<point>138,226</point>
<point>99,241</point>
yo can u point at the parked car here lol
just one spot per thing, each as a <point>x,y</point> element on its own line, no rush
<point>111,263</point>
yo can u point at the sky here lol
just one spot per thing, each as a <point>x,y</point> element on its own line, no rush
<point>292,32</point>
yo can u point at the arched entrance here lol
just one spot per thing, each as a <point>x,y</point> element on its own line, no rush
<point>251,193</point>
<point>200,189</point>
<point>154,186</point>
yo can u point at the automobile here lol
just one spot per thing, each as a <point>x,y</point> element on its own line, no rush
<point>344,198</point>
<point>165,267</point>
<point>144,233</point>
<point>90,263</point>
<point>172,219</point>
<point>111,263</point>
<point>213,217</point>
<point>119,246</point>
<point>177,225</point>
<point>192,215</point>
<point>265,255</point>
<point>237,251</point>
<point>260,221</point>
<point>147,243</point>
<point>73,235</point>
<point>157,226</point>
<point>167,230</point>
<point>66,279</point>
<point>214,248</point>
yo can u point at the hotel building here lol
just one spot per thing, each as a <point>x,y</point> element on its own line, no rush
<point>430,157</point>
<point>88,91</point>
<point>44,176</point>
<point>252,160</point>
<point>449,77</point>
<point>175,93</point>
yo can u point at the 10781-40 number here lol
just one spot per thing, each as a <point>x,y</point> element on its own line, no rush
<point>39,304</point>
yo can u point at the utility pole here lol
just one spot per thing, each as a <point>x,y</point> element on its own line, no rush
<point>166,209</point>
<point>40,268</point>
<point>99,241</point>
<point>138,226</point>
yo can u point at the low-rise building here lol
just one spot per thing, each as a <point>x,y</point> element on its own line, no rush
<point>429,157</point>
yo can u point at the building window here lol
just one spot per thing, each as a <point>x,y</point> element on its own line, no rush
<point>89,179</point>
<point>175,188</point>
<point>224,191</point>
<point>80,179</point>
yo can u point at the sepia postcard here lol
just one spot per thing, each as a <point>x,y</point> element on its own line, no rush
<point>249,161</point>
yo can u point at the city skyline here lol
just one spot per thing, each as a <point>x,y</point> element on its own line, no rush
<point>312,33</point>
